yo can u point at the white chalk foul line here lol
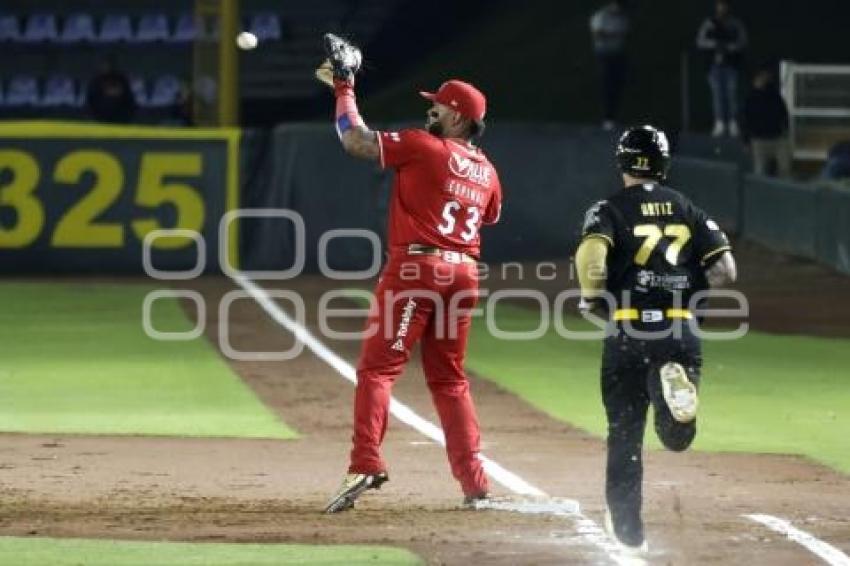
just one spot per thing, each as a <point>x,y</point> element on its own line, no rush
<point>826,551</point>
<point>586,528</point>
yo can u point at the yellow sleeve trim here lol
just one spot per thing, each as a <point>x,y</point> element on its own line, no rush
<point>599,235</point>
<point>590,265</point>
<point>713,253</point>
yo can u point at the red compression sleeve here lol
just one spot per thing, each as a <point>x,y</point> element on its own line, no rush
<point>347,115</point>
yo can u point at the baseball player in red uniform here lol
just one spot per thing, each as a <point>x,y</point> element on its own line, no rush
<point>444,190</point>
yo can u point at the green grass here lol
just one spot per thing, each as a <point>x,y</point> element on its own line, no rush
<point>75,359</point>
<point>763,393</point>
<point>32,551</point>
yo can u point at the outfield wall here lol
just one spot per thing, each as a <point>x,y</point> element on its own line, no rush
<point>82,198</point>
<point>550,174</point>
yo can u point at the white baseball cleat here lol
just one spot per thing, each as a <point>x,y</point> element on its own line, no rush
<point>628,549</point>
<point>719,129</point>
<point>679,393</point>
<point>734,131</point>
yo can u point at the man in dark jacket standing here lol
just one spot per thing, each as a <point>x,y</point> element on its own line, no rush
<point>610,26</point>
<point>723,38</point>
<point>766,126</point>
<point>109,96</point>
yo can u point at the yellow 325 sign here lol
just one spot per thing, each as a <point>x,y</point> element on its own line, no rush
<point>163,178</point>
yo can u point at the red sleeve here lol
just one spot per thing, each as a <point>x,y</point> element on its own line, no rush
<point>494,206</point>
<point>399,148</point>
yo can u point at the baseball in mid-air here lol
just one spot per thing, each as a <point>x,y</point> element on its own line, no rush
<point>246,40</point>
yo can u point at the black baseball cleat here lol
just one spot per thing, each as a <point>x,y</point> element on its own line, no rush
<point>475,500</point>
<point>630,548</point>
<point>352,486</point>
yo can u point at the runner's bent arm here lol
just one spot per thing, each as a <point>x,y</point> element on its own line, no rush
<point>591,266</point>
<point>723,271</point>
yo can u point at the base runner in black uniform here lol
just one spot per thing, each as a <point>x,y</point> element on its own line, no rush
<point>644,253</point>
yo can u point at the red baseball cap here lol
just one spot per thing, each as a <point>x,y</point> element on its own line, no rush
<point>463,97</point>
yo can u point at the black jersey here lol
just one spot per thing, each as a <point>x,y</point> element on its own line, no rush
<point>660,245</point>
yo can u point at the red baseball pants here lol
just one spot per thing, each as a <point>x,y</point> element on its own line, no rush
<point>427,298</point>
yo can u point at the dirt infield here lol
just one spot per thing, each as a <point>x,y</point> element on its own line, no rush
<point>267,491</point>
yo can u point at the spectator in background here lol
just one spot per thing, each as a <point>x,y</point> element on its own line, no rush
<point>109,96</point>
<point>765,122</point>
<point>723,38</point>
<point>181,113</point>
<point>837,166</point>
<point>609,26</point>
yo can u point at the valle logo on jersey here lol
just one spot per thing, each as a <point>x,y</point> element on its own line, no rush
<point>467,168</point>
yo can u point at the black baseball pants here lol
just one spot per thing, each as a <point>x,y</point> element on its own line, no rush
<point>630,383</point>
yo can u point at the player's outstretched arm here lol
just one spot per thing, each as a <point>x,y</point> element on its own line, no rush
<point>338,72</point>
<point>722,272</point>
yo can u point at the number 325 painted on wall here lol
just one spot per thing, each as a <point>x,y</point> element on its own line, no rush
<point>79,226</point>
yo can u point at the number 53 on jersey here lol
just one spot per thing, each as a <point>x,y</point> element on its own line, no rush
<point>469,216</point>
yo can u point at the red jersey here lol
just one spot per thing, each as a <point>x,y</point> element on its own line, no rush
<point>444,190</point>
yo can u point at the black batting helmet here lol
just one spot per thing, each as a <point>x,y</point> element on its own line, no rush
<point>644,152</point>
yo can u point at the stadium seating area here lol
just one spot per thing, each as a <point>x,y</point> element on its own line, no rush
<point>61,90</point>
<point>39,76</point>
<point>52,48</point>
<point>81,27</point>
